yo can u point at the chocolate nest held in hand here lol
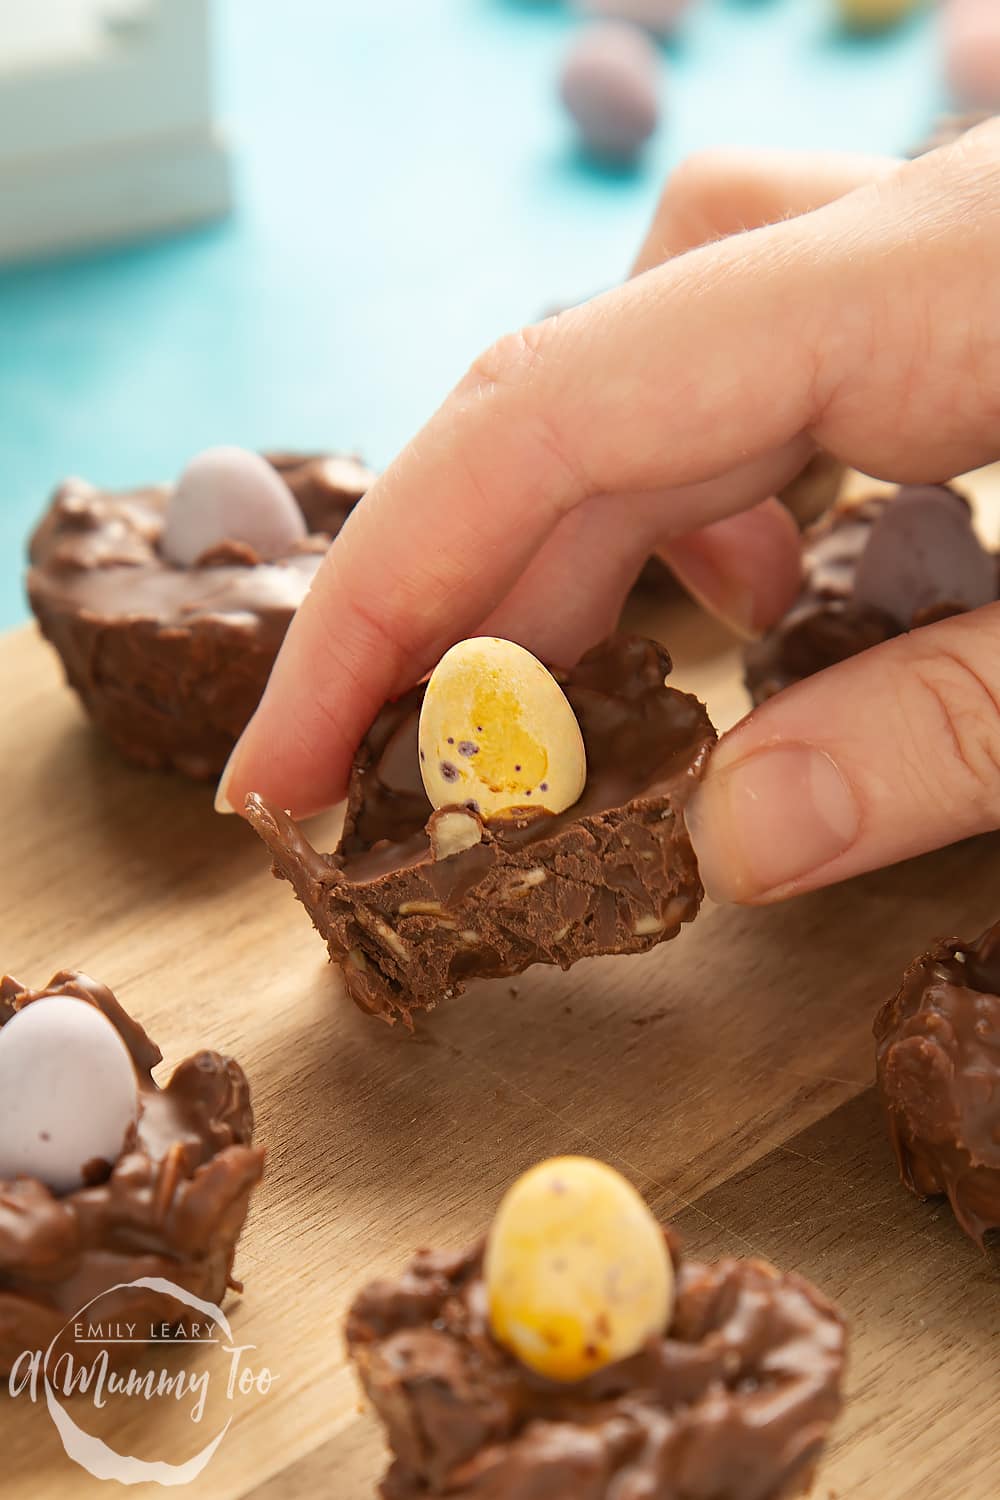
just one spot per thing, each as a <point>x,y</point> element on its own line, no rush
<point>874,570</point>
<point>734,1402</point>
<point>170,662</point>
<point>415,903</point>
<point>938,1060</point>
<point>172,1206</point>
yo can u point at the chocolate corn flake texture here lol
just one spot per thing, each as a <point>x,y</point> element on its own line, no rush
<point>938,1065</point>
<point>415,903</point>
<point>733,1402</point>
<point>170,662</point>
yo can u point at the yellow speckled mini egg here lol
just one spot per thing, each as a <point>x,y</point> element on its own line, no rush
<point>873,15</point>
<point>578,1274</point>
<point>497,732</point>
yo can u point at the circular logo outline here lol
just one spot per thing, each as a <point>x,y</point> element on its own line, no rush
<point>96,1456</point>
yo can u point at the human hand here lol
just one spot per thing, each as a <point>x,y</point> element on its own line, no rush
<point>862,315</point>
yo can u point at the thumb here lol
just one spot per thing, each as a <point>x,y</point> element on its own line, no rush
<point>884,756</point>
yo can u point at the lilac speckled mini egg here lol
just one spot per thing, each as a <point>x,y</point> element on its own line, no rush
<point>611,86</point>
<point>972,52</point>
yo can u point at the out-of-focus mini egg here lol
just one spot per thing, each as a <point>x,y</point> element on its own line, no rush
<point>230,495</point>
<point>972,52</point>
<point>874,15</point>
<point>497,732</point>
<point>922,554</point>
<point>657,16</point>
<point>68,1092</point>
<point>610,84</point>
<point>577,1271</point>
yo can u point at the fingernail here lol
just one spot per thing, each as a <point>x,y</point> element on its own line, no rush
<point>730,598</point>
<point>733,602</point>
<point>764,824</point>
<point>222,802</point>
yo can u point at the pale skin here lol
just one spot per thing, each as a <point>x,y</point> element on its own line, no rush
<point>780,302</point>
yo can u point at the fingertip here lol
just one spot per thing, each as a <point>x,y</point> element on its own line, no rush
<point>265,763</point>
<point>700,818</point>
<point>223,800</point>
<point>747,568</point>
<point>767,825</point>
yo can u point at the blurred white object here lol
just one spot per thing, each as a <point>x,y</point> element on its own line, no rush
<point>231,495</point>
<point>107,126</point>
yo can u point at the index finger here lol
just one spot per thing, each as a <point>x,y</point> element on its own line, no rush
<point>593,401</point>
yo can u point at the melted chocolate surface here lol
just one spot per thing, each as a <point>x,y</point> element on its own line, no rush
<point>938,1063</point>
<point>613,874</point>
<point>734,1402</point>
<point>926,564</point>
<point>170,661</point>
<point>638,736</point>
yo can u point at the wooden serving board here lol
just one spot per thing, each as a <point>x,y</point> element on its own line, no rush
<point>728,1073</point>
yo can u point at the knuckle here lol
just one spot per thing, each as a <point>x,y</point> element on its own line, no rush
<point>701,174</point>
<point>696,186</point>
<point>965,173</point>
<point>511,372</point>
<point>955,714</point>
<point>715,193</point>
<point>979,147</point>
<point>705,186</point>
<point>510,364</point>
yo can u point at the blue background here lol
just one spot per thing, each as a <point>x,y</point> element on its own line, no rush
<point>407,190</point>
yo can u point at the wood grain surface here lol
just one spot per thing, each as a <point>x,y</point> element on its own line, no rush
<point>728,1073</point>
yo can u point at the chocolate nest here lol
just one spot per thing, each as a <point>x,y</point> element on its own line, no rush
<point>938,1063</point>
<point>171,662</point>
<point>173,1205</point>
<point>414,903</point>
<point>827,624</point>
<point>734,1402</point>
